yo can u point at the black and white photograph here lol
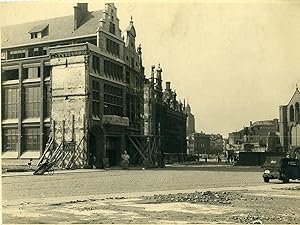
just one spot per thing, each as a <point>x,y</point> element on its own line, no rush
<point>150,112</point>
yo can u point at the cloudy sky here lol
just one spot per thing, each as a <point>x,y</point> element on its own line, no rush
<point>234,61</point>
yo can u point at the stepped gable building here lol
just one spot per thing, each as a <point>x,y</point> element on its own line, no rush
<point>289,125</point>
<point>164,114</point>
<point>74,82</point>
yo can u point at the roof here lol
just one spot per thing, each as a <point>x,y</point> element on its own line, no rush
<point>38,28</point>
<point>130,29</point>
<point>294,95</point>
<point>59,28</point>
<point>265,123</point>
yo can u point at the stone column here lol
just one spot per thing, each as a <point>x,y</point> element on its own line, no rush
<point>42,107</point>
<point>20,110</point>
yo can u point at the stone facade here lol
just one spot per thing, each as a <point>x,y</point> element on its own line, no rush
<point>258,136</point>
<point>74,79</point>
<point>289,124</point>
<point>164,114</point>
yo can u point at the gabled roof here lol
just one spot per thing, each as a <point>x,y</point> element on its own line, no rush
<point>130,29</point>
<point>59,28</point>
<point>295,93</point>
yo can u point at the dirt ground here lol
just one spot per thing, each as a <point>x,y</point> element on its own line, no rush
<point>267,204</point>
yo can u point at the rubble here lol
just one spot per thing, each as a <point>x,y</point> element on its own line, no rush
<point>195,197</point>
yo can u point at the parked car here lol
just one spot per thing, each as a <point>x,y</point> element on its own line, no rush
<point>281,168</point>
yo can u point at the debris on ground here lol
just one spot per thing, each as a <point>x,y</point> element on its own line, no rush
<point>297,188</point>
<point>195,197</point>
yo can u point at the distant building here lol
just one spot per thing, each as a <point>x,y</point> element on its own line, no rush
<point>164,114</point>
<point>190,126</point>
<point>290,123</point>
<point>259,136</point>
<point>201,143</point>
<point>216,143</point>
<point>190,129</point>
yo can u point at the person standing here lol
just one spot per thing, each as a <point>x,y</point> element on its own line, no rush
<point>125,160</point>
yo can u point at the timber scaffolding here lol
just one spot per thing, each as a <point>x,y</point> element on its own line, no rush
<point>145,150</point>
<point>66,154</point>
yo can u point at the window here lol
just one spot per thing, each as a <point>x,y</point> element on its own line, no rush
<point>96,98</point>
<point>113,100</point>
<point>96,64</point>
<point>113,70</point>
<point>32,102</point>
<point>37,51</point>
<point>112,47</point>
<point>32,73</point>
<point>34,35</point>
<point>132,62</point>
<point>9,139</point>
<point>297,112</point>
<point>10,75</point>
<point>3,54</point>
<point>47,101</point>
<point>112,28</point>
<point>31,139</point>
<point>16,54</point>
<point>292,113</point>
<point>127,77</point>
<point>10,103</point>
<point>47,71</point>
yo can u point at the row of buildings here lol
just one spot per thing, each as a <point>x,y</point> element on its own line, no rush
<point>77,84</point>
<point>199,143</point>
<point>274,136</point>
<point>279,136</point>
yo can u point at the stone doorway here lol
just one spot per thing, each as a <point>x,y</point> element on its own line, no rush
<point>113,150</point>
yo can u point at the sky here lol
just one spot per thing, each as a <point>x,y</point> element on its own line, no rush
<point>234,61</point>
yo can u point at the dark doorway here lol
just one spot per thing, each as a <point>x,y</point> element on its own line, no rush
<point>113,151</point>
<point>92,150</point>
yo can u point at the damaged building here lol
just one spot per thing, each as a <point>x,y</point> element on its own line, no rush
<point>73,91</point>
<point>73,83</point>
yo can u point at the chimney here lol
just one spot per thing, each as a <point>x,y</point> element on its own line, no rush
<point>168,85</point>
<point>79,13</point>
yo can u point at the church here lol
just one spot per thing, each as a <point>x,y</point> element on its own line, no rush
<point>289,125</point>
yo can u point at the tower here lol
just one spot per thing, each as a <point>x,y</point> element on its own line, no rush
<point>158,85</point>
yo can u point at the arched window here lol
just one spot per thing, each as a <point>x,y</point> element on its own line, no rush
<point>297,116</point>
<point>292,112</point>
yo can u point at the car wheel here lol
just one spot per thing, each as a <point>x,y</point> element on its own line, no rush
<point>266,179</point>
<point>285,180</point>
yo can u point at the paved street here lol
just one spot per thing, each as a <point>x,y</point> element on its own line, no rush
<point>121,181</point>
<point>172,195</point>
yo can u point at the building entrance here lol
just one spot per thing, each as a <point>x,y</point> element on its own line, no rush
<point>113,150</point>
<point>92,150</point>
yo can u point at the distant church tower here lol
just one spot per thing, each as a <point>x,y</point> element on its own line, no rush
<point>190,126</point>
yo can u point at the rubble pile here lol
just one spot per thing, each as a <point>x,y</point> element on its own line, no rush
<point>256,218</point>
<point>195,197</point>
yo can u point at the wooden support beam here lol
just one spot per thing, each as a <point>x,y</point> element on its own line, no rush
<point>137,148</point>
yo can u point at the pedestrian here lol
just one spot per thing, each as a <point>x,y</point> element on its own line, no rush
<point>219,158</point>
<point>125,160</point>
<point>205,157</point>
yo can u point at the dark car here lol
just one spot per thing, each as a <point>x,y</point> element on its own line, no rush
<point>281,168</point>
